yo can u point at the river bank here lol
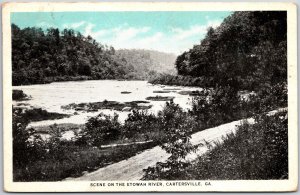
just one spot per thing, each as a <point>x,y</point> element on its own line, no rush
<point>84,149</point>
<point>209,140</point>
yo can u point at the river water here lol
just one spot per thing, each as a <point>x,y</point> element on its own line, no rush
<point>54,95</point>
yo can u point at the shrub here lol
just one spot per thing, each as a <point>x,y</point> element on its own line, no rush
<point>224,104</point>
<point>27,145</point>
<point>221,105</point>
<point>38,114</point>
<point>19,95</point>
<point>101,129</point>
<point>269,98</point>
<point>141,124</point>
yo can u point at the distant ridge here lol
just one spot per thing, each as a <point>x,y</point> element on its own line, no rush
<point>44,56</point>
<point>145,62</point>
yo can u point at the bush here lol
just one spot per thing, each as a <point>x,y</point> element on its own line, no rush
<point>141,124</point>
<point>38,114</point>
<point>224,104</point>
<point>19,95</point>
<point>221,105</point>
<point>269,98</point>
<point>27,146</point>
<point>101,129</point>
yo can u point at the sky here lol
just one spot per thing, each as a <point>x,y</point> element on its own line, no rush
<point>168,31</point>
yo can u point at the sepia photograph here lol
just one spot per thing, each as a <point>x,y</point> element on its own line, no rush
<point>150,97</point>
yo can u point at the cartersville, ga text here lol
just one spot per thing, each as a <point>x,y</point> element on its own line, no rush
<point>143,184</point>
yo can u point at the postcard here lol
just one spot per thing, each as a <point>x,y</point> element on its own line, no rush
<point>150,97</point>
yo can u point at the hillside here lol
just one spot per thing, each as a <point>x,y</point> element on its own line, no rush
<point>148,62</point>
<point>45,56</point>
<point>256,55</point>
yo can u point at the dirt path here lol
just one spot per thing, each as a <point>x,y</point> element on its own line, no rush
<point>132,168</point>
<point>125,144</point>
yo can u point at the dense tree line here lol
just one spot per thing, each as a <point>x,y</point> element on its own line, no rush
<point>247,49</point>
<point>147,63</point>
<point>40,56</point>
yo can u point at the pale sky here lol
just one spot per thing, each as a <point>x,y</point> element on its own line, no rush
<point>172,32</point>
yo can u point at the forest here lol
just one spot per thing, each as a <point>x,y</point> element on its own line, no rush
<point>247,50</point>
<point>45,56</point>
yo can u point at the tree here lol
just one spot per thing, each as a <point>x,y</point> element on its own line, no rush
<point>177,126</point>
<point>39,57</point>
<point>248,48</point>
<point>27,145</point>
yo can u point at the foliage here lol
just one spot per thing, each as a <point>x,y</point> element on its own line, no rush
<point>171,129</point>
<point>40,57</point>
<point>45,56</point>
<point>269,98</point>
<point>258,151</point>
<point>54,159</point>
<point>224,103</point>
<point>142,124</point>
<point>220,105</point>
<point>71,161</point>
<point>19,95</point>
<point>101,129</point>
<point>38,114</point>
<point>256,55</point>
<point>177,126</point>
<point>147,63</point>
<point>26,144</point>
<point>168,79</point>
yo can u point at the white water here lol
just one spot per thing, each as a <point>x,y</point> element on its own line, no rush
<point>54,95</point>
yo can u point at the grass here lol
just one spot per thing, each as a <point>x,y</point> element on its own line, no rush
<point>56,158</point>
<point>72,161</point>
<point>255,152</point>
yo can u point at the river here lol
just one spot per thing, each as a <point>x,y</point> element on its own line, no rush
<point>54,95</point>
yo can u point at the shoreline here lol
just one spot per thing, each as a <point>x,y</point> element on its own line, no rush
<point>61,81</point>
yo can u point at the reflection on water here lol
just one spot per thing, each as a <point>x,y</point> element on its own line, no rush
<point>54,95</point>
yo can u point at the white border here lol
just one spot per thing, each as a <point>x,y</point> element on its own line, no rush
<point>217,185</point>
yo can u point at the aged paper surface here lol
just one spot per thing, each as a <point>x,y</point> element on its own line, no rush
<point>115,178</point>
